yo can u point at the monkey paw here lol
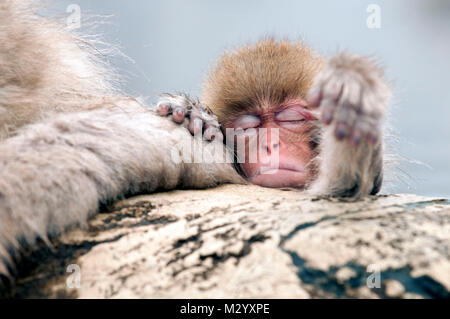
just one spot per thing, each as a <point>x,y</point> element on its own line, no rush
<point>201,119</point>
<point>353,96</point>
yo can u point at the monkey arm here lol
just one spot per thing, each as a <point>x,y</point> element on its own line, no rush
<point>346,170</point>
<point>54,174</point>
<point>353,98</point>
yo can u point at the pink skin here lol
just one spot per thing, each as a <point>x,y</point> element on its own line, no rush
<point>196,124</point>
<point>178,115</point>
<point>294,122</point>
<point>164,109</point>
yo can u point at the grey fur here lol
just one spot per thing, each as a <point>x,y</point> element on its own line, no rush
<point>346,170</point>
<point>89,145</point>
<point>54,174</point>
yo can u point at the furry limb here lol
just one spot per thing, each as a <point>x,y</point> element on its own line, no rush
<point>54,174</point>
<point>353,98</point>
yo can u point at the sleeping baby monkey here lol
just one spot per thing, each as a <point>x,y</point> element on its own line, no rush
<point>322,119</point>
<point>69,141</point>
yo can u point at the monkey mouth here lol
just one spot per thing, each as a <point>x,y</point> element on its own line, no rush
<point>284,165</point>
<point>287,174</point>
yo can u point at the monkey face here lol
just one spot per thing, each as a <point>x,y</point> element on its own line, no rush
<point>273,144</point>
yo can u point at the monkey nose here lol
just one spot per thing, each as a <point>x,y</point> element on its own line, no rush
<point>271,147</point>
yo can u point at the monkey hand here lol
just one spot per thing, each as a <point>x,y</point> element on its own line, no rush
<point>198,117</point>
<point>352,96</point>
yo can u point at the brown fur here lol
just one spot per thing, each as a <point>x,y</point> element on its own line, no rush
<point>89,144</point>
<point>268,71</point>
<point>271,71</point>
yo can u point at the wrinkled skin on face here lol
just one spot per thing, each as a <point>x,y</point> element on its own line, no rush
<point>278,143</point>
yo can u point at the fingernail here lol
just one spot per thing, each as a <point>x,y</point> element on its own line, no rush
<point>341,131</point>
<point>179,112</point>
<point>373,139</point>
<point>162,109</point>
<point>327,117</point>
<point>356,140</point>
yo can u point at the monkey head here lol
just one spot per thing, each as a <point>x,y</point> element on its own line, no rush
<point>259,96</point>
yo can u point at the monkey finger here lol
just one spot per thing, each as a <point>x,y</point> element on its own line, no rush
<point>164,109</point>
<point>314,97</point>
<point>351,94</point>
<point>212,133</point>
<point>357,136</point>
<point>360,130</point>
<point>332,89</point>
<point>372,137</point>
<point>195,125</point>
<point>370,125</point>
<point>342,131</point>
<point>345,117</point>
<point>328,109</point>
<point>178,115</point>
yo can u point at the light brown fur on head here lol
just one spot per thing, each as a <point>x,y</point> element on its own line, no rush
<point>268,71</point>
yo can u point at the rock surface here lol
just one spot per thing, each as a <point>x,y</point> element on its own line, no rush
<point>240,241</point>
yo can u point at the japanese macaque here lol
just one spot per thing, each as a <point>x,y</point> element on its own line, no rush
<point>327,116</point>
<point>70,141</point>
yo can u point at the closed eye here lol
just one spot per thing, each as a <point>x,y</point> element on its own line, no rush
<point>290,117</point>
<point>247,121</point>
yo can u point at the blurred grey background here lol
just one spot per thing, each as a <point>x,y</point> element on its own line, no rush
<point>172,43</point>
